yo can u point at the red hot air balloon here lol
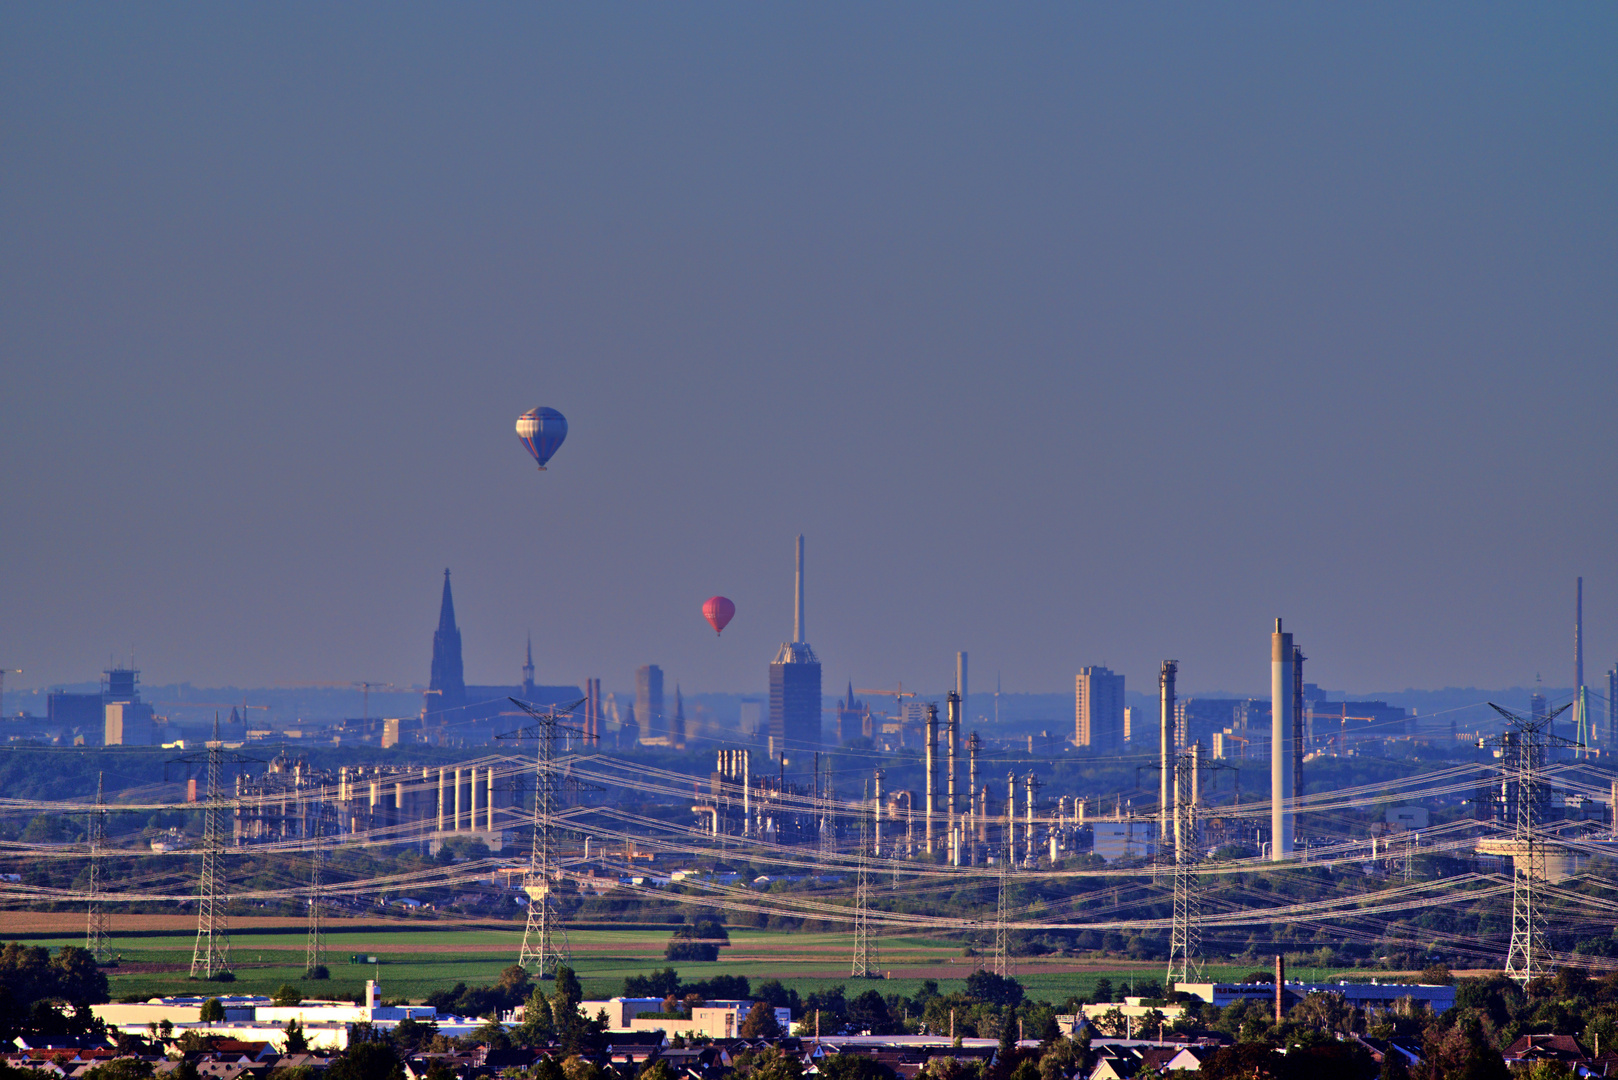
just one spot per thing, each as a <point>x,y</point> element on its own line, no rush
<point>718,611</point>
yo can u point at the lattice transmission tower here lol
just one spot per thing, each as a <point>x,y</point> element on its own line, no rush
<point>544,938</point>
<point>1185,937</point>
<point>1522,757</point>
<point>867,964</point>
<point>97,940</point>
<point>211,955</point>
<point>1002,934</point>
<point>314,954</point>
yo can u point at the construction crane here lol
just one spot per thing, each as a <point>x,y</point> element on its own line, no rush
<point>898,696</point>
<point>365,687</point>
<point>241,717</point>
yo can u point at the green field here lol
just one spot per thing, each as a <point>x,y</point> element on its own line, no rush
<point>413,963</point>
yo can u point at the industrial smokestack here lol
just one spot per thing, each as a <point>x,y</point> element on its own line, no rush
<point>1281,662</point>
<point>960,679</point>
<point>1280,972</point>
<point>1165,743</point>
<point>797,608</point>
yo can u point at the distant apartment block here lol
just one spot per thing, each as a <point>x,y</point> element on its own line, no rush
<point>654,723</point>
<point>1098,710</point>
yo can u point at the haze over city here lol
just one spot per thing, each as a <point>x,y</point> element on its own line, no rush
<point>763,542</point>
<point>1067,336</point>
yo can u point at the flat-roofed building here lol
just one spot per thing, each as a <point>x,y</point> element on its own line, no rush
<point>1098,710</point>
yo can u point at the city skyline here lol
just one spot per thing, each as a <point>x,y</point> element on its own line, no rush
<point>1068,338</point>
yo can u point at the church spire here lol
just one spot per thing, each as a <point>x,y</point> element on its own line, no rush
<point>447,677</point>
<point>446,607</point>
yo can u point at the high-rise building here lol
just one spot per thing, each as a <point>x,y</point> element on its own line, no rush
<point>1612,710</point>
<point>795,683</point>
<point>654,723</point>
<point>1098,710</point>
<point>677,729</point>
<point>528,670</point>
<point>1137,722</point>
<point>126,720</point>
<point>447,687</point>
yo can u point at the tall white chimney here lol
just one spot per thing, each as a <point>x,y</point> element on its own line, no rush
<point>1281,660</point>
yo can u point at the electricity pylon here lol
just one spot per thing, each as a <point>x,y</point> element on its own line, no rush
<point>544,938</point>
<point>211,955</point>
<point>1002,943</point>
<point>866,963</point>
<point>1522,756</point>
<point>96,939</point>
<point>1185,937</point>
<point>314,956</point>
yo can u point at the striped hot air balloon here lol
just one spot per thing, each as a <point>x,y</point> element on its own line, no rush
<point>542,431</point>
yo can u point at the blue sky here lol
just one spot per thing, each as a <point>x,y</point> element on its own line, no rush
<point>1067,334</point>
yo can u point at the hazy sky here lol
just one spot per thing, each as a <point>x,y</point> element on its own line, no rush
<point>1068,334</point>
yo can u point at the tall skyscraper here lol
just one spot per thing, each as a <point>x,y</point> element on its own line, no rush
<point>1098,710</point>
<point>447,678</point>
<point>654,722</point>
<point>795,683</point>
<point>1612,710</point>
<point>677,729</point>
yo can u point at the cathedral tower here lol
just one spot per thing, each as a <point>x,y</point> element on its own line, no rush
<point>447,678</point>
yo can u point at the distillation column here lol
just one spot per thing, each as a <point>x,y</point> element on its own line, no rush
<point>1165,745</point>
<point>954,729</point>
<point>931,807</point>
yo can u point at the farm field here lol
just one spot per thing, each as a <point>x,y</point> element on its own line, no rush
<point>416,959</point>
